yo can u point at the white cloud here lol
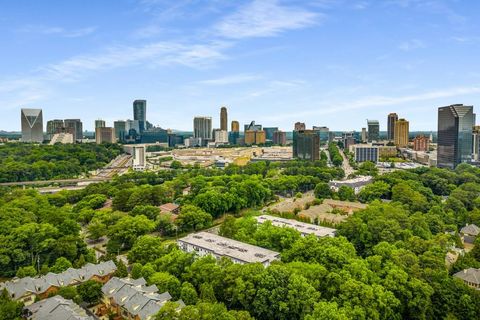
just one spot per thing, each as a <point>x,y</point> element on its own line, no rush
<point>47,30</point>
<point>264,18</point>
<point>232,79</point>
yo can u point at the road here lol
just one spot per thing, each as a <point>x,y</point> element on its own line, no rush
<point>346,165</point>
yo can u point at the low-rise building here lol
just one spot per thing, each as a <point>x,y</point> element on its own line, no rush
<point>365,152</point>
<point>55,308</point>
<point>470,276</point>
<point>63,138</point>
<point>305,229</point>
<point>28,288</point>
<point>204,243</point>
<point>421,143</point>
<point>469,233</point>
<point>170,208</point>
<point>387,151</point>
<point>356,184</point>
<point>132,299</point>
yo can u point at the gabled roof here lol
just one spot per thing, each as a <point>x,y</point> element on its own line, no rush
<point>470,229</point>
<point>57,308</point>
<point>20,287</point>
<point>470,275</point>
<point>136,297</point>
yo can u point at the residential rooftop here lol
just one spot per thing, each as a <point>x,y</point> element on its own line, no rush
<point>470,229</point>
<point>233,249</point>
<point>302,227</point>
<point>136,297</point>
<point>471,276</point>
<point>56,308</point>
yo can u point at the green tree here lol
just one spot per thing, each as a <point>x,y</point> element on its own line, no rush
<point>68,292</point>
<point>346,193</point>
<point>323,191</point>
<point>148,211</point>
<point>188,294</point>
<point>146,249</point>
<point>90,291</point>
<point>128,228</point>
<point>61,264</point>
<point>165,282</point>
<point>28,271</point>
<point>9,310</point>
<point>193,218</point>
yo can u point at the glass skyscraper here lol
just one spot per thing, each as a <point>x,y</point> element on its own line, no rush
<point>140,113</point>
<point>455,126</point>
<point>32,125</point>
<point>373,130</point>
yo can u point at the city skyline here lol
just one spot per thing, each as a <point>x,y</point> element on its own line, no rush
<point>190,58</point>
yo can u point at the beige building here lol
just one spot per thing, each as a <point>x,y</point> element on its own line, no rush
<point>235,126</point>
<point>105,134</point>
<point>254,137</point>
<point>401,133</point>
<point>387,151</point>
<point>223,119</point>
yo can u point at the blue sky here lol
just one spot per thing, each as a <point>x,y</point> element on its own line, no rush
<point>324,62</point>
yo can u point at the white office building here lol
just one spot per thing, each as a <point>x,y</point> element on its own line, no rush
<point>305,229</point>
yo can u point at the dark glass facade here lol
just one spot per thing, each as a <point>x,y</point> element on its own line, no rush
<point>306,145</point>
<point>269,132</point>
<point>392,119</point>
<point>455,126</point>
<point>373,130</point>
<point>154,135</point>
<point>140,113</point>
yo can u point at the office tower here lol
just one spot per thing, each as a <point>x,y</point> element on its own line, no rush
<point>364,135</point>
<point>235,126</point>
<point>252,127</point>
<point>223,119</point>
<point>280,137</point>
<point>373,130</point>
<point>366,153</point>
<point>348,140</point>
<point>120,127</point>
<point>53,127</point>
<point>324,134</point>
<point>76,127</point>
<point>392,118</point>
<point>100,123</point>
<point>269,132</point>
<point>254,137</point>
<point>154,135</point>
<point>32,125</point>
<point>400,136</point>
<point>221,136</point>
<point>140,114</point>
<point>202,128</point>
<point>132,125</point>
<point>476,143</point>
<point>306,145</point>
<point>421,143</point>
<point>105,134</point>
<point>299,126</point>
<point>455,126</point>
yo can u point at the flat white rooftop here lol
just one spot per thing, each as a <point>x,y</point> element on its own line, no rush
<point>302,227</point>
<point>226,247</point>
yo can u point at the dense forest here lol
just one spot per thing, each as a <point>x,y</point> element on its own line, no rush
<point>388,261</point>
<point>27,162</point>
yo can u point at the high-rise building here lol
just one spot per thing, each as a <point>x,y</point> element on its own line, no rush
<point>280,137</point>
<point>105,134</point>
<point>32,125</point>
<point>100,123</point>
<point>202,128</point>
<point>269,132</point>
<point>53,127</point>
<point>299,126</point>
<point>140,113</point>
<point>421,143</point>
<point>252,127</point>
<point>154,135</point>
<point>401,133</point>
<point>254,137</point>
<point>392,119</point>
<point>235,126</point>
<point>223,119</point>
<point>221,136</point>
<point>324,134</point>
<point>306,145</point>
<point>132,125</point>
<point>476,143</point>
<point>75,126</point>
<point>373,130</point>
<point>120,127</point>
<point>455,126</point>
<point>364,136</point>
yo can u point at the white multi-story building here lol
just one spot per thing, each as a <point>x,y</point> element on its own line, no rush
<point>305,229</point>
<point>204,243</point>
<point>356,184</point>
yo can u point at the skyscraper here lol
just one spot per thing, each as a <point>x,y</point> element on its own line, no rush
<point>306,145</point>
<point>104,134</point>
<point>76,127</point>
<point>120,127</point>
<point>373,130</point>
<point>100,123</point>
<point>269,132</point>
<point>455,125</point>
<point>223,119</point>
<point>32,125</point>
<point>400,136</point>
<point>202,128</point>
<point>235,126</point>
<point>392,119</point>
<point>280,137</point>
<point>299,126</point>
<point>476,143</point>
<point>53,127</point>
<point>140,113</point>
<point>364,136</point>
